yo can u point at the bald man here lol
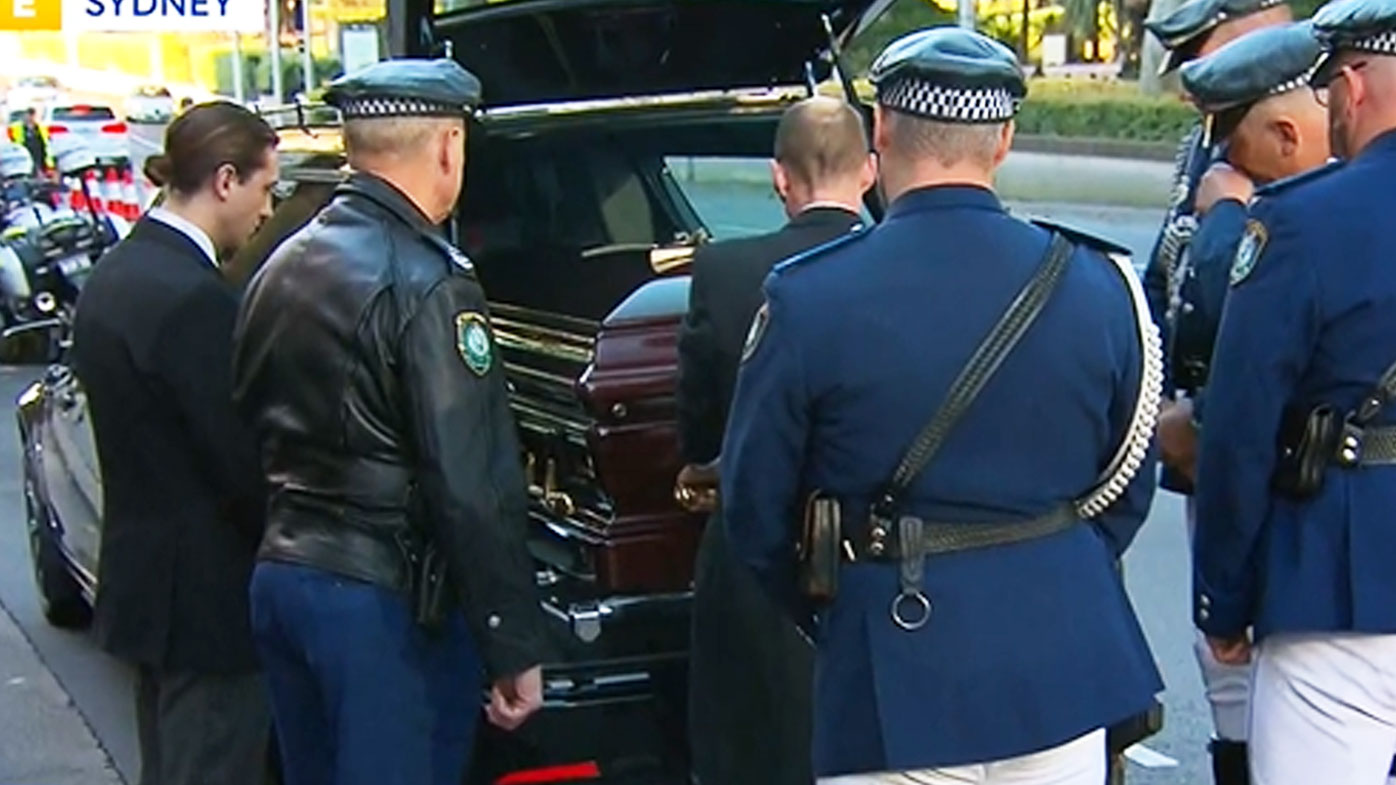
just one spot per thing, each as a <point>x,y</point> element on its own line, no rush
<point>751,670</point>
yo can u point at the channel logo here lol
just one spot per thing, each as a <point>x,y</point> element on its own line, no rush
<point>31,15</point>
<point>134,16</point>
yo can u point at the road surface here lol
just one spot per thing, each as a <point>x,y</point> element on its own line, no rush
<point>1156,566</point>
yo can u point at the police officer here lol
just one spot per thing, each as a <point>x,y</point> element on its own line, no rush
<point>366,363</point>
<point>1296,482</point>
<point>941,591</point>
<point>1195,29</point>
<point>1258,107</point>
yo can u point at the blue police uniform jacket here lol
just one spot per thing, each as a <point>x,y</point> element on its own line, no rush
<point>1195,155</point>
<point>1029,645</point>
<point>1313,320</point>
<point>1203,294</point>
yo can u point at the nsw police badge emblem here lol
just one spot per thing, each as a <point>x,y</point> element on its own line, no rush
<point>473,342</point>
<point>757,329</point>
<point>1248,251</point>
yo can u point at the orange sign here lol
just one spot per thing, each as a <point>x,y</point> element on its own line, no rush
<point>31,15</point>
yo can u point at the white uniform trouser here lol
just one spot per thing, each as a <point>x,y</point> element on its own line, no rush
<point>1080,761</point>
<point>1323,710</point>
<point>1228,687</point>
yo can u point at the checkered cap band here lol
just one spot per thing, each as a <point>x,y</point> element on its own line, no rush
<point>1383,43</point>
<point>382,106</point>
<point>951,104</point>
<point>1302,80</point>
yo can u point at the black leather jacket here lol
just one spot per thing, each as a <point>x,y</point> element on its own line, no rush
<point>351,363</point>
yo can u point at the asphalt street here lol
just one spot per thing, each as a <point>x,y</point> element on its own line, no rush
<point>1156,566</point>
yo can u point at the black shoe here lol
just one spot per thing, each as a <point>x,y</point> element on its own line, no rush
<point>1229,762</point>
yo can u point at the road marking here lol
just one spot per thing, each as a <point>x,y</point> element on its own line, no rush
<point>1148,758</point>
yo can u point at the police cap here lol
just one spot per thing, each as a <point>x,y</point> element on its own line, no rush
<point>407,87</point>
<point>1266,62</point>
<point>1183,31</point>
<point>949,74</point>
<point>1353,26</point>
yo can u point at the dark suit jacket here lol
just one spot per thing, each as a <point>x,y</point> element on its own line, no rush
<point>723,299</point>
<point>182,495</point>
<point>749,666</point>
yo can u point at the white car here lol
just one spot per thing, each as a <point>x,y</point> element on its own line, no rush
<point>35,91</point>
<point>150,104</point>
<point>97,126</point>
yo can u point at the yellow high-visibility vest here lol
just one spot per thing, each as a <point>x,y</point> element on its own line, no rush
<point>17,136</point>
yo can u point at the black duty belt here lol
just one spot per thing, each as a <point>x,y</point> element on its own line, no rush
<point>1313,440</point>
<point>917,537</point>
<point>1378,448</point>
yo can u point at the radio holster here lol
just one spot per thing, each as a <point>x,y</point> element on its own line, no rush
<point>819,552</point>
<point>1308,442</point>
<point>428,579</point>
<point>431,598</point>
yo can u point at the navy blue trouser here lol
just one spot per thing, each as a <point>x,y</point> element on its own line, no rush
<point>360,694</point>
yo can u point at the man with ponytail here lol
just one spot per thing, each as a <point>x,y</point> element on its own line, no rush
<point>182,499</point>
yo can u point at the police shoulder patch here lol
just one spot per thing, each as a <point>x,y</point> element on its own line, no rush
<point>474,342</point>
<point>756,331</point>
<point>1248,251</point>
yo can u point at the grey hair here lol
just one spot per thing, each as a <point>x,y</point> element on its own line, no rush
<point>378,136</point>
<point>948,143</point>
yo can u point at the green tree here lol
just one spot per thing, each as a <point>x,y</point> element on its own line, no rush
<point>1082,21</point>
<point>901,17</point>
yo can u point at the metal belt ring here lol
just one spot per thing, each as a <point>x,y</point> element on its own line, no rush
<point>921,616</point>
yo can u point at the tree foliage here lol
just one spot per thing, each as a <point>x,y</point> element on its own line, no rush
<point>902,17</point>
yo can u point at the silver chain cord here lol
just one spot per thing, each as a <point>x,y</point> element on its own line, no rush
<point>1135,446</point>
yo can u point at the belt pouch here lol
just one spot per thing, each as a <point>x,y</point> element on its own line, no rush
<point>430,589</point>
<point>1307,441</point>
<point>426,580</point>
<point>818,554</point>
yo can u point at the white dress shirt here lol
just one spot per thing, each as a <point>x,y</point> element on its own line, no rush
<point>188,229</point>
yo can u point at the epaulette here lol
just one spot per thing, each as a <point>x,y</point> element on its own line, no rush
<point>856,233</point>
<point>1285,183</point>
<point>457,257</point>
<point>1092,241</point>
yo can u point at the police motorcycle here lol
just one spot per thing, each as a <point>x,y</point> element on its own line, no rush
<point>47,248</point>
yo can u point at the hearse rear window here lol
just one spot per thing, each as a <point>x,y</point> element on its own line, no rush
<point>733,196</point>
